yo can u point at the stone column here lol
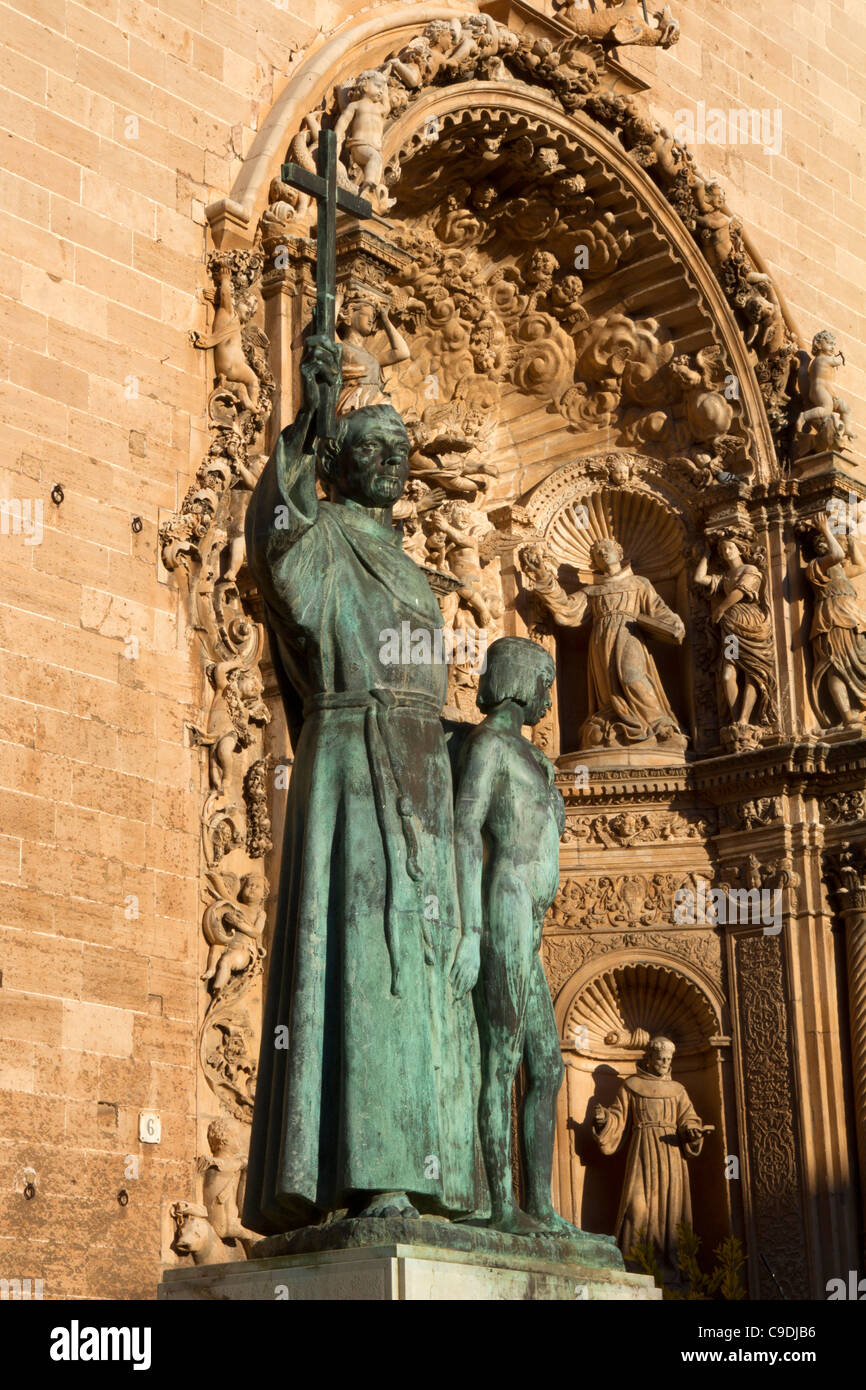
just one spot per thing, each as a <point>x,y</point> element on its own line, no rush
<point>848,874</point>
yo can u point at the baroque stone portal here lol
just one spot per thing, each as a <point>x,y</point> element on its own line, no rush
<point>612,438</point>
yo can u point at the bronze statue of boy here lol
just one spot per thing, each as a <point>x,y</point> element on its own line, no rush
<point>508,820</point>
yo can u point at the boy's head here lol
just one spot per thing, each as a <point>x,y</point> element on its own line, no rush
<point>519,670</point>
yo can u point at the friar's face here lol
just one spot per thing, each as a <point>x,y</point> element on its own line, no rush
<point>606,556</point>
<point>660,1058</point>
<point>373,463</point>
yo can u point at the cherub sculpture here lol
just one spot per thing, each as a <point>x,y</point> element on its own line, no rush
<point>233,926</point>
<point>455,533</point>
<point>826,412</point>
<point>360,130</point>
<point>231,368</point>
<point>223,1181</point>
<point>716,227</point>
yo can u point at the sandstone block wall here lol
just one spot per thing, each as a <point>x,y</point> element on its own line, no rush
<point>121,121</point>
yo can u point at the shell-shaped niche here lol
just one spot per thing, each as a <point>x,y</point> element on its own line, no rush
<point>620,1009</point>
<point>650,536</point>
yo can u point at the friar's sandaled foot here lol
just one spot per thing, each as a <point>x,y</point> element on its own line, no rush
<point>552,1224</point>
<point>393,1205</point>
<point>515,1222</point>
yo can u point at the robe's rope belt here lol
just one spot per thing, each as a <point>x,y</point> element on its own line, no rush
<point>394,808</point>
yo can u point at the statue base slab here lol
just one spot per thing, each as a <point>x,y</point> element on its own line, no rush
<point>827,461</point>
<point>844,733</point>
<point>659,755</point>
<point>391,1271</point>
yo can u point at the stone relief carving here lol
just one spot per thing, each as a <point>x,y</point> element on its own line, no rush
<point>564,955</point>
<point>620,24</point>
<point>773,1155</point>
<point>746,815</point>
<point>844,806</point>
<point>773,875</point>
<point>203,544</point>
<point>194,1235</point>
<point>211,1230</point>
<point>624,1005</point>
<point>627,828</point>
<point>608,901</point>
<point>571,70</point>
<point>223,1174</point>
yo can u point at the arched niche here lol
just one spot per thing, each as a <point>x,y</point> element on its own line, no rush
<point>606,1013</point>
<point>650,511</point>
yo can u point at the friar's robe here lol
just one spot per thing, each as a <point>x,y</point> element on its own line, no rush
<point>652,1112</point>
<point>627,702</point>
<point>375,1089</point>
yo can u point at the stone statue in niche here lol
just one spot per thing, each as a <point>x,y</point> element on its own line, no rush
<point>654,1112</point>
<point>823,411</point>
<point>838,630</point>
<point>368,923</point>
<point>627,704</point>
<point>509,816</point>
<point>742,615</point>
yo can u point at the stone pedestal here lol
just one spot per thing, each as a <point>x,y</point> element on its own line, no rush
<point>417,1260</point>
<point>396,1273</point>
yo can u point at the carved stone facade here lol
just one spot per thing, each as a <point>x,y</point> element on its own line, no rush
<point>609,416</point>
<point>576,321</point>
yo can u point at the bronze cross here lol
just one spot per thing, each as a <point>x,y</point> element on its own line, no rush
<point>329,197</point>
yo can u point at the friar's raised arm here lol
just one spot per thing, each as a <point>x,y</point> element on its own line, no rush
<point>569,610</point>
<point>284,503</point>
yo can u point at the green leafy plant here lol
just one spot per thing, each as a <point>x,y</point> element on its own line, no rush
<point>724,1281</point>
